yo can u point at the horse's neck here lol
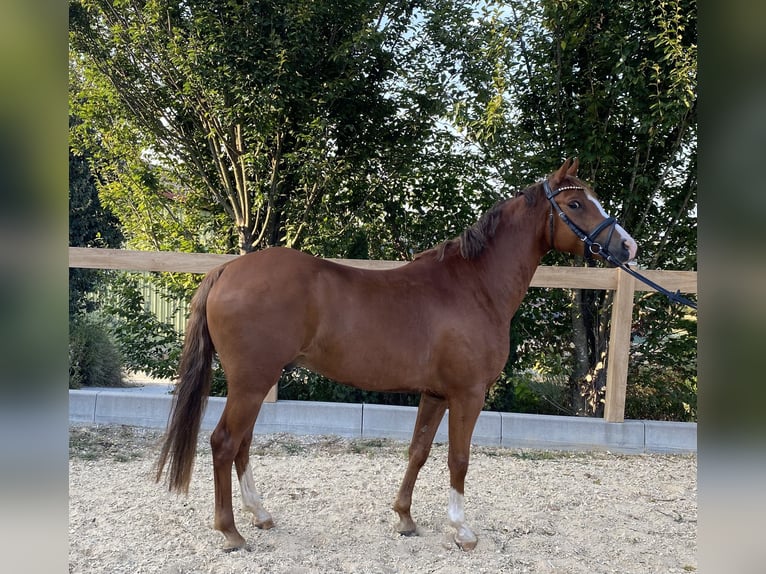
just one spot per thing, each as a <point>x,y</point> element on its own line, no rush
<point>511,262</point>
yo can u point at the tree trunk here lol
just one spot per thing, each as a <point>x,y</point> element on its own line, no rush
<point>587,384</point>
<point>245,235</point>
<point>582,359</point>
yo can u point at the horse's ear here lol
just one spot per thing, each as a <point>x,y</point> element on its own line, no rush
<point>559,175</point>
<point>573,168</point>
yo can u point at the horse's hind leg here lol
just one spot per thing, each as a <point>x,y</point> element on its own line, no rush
<point>250,499</point>
<point>236,423</point>
<point>430,412</point>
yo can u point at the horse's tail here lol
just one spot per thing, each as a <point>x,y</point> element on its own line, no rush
<point>191,394</point>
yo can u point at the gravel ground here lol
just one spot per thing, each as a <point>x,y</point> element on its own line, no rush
<point>533,511</point>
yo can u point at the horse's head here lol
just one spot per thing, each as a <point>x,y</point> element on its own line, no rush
<point>582,226</point>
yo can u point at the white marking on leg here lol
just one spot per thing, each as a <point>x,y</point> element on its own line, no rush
<point>251,500</point>
<point>455,510</point>
<point>456,514</point>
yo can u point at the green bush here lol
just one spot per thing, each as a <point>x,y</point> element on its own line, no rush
<point>303,385</point>
<point>659,393</point>
<point>218,382</point>
<point>146,343</point>
<point>527,393</point>
<point>93,356</point>
<point>517,393</point>
<point>662,375</point>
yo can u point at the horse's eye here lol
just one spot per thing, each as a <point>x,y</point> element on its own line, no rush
<point>575,205</point>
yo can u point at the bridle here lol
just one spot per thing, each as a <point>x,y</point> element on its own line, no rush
<point>595,248</point>
<point>592,246</point>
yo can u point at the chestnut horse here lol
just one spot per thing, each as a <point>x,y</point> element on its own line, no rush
<point>438,326</point>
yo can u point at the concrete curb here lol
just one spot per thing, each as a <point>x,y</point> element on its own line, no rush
<point>510,430</point>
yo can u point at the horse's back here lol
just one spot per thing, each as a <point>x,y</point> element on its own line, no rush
<point>284,273</point>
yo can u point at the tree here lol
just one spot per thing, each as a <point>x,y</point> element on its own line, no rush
<point>233,126</point>
<point>90,225</point>
<point>93,358</point>
<point>217,119</point>
<point>626,93</point>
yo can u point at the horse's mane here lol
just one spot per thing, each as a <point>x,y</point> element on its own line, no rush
<point>472,242</point>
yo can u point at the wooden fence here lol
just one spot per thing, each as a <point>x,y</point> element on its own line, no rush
<point>546,276</point>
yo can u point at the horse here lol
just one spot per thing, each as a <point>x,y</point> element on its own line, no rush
<point>438,325</point>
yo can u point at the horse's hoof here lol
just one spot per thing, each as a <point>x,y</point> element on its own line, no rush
<point>407,528</point>
<point>466,539</point>
<point>235,543</point>
<point>263,524</point>
<point>467,545</point>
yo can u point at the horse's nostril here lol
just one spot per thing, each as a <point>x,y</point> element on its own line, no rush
<point>630,248</point>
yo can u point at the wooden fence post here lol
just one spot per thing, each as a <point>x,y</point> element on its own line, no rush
<point>619,348</point>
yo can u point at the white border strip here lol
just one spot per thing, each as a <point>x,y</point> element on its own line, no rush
<point>511,430</point>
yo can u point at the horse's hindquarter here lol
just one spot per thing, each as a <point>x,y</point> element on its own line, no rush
<point>257,311</point>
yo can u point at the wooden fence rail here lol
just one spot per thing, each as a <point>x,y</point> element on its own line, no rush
<point>546,276</point>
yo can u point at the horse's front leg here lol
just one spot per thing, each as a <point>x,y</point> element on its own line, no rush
<point>463,414</point>
<point>464,536</point>
<point>430,412</point>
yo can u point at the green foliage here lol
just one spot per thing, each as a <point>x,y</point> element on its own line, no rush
<point>146,343</point>
<point>545,310</point>
<point>93,356</point>
<point>659,393</point>
<point>218,383</point>
<point>662,376</point>
<point>527,393</point>
<point>90,225</point>
<point>303,385</point>
<point>236,126</point>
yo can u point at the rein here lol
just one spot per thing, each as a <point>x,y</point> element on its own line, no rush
<point>675,297</point>
<point>595,248</point>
